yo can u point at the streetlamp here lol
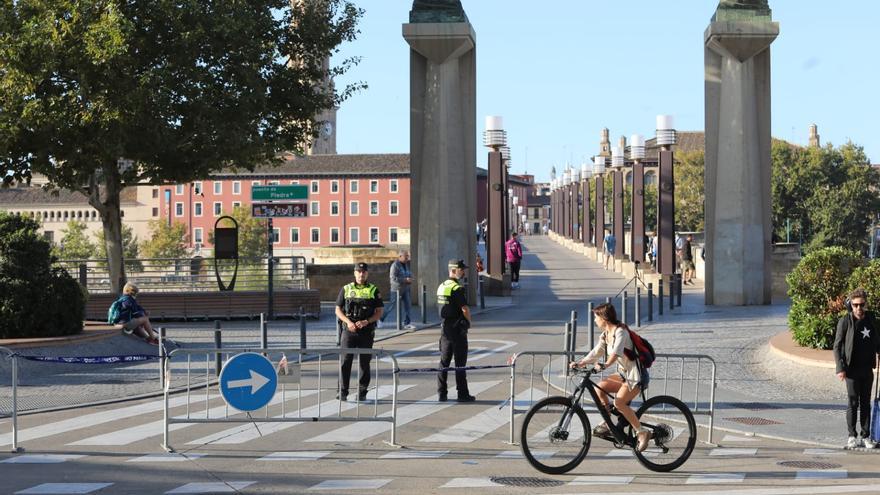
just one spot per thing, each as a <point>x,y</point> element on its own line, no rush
<point>637,234</point>
<point>586,231</point>
<point>666,197</point>
<point>617,200</point>
<point>495,138</point>
<point>599,172</point>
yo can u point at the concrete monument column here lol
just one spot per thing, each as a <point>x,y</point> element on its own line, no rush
<point>442,141</point>
<point>737,178</point>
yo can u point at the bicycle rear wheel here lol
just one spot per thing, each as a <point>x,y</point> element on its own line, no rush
<point>555,435</point>
<point>674,433</point>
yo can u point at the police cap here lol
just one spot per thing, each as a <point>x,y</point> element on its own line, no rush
<point>457,264</point>
<point>361,267</point>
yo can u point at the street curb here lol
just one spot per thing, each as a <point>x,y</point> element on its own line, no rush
<point>780,343</point>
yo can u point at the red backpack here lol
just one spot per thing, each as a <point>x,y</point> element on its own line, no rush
<point>644,351</point>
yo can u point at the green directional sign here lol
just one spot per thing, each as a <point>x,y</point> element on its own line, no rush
<point>279,193</point>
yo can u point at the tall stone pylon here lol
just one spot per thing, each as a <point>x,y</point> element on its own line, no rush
<point>443,141</point>
<point>737,178</point>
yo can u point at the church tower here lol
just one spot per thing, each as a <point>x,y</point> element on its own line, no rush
<point>325,142</point>
<point>814,136</point>
<point>605,144</point>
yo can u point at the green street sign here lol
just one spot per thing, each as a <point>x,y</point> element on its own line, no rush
<point>279,193</point>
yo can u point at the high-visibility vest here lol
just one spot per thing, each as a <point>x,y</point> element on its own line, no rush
<point>444,292</point>
<point>358,300</point>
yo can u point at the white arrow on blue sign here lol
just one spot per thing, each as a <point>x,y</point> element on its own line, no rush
<point>248,381</point>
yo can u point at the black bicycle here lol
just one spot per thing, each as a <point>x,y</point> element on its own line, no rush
<point>555,435</point>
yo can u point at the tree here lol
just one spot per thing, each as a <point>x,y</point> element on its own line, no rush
<point>75,245</point>
<point>177,90</point>
<point>690,198</point>
<point>166,241</point>
<point>129,248</point>
<point>253,242</point>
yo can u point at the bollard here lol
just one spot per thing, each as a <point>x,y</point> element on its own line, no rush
<point>162,357</point>
<point>218,344</point>
<point>397,307</point>
<point>574,331</point>
<point>623,307</point>
<point>650,302</point>
<point>424,305</point>
<point>302,328</point>
<point>660,298</point>
<point>679,282</point>
<point>592,325</point>
<point>638,308</point>
<point>607,300</point>
<point>671,293</point>
<point>566,346</point>
<point>83,275</point>
<point>15,448</point>
<point>482,296</point>
<point>264,334</point>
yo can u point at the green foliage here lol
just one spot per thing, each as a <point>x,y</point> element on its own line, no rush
<point>868,278</point>
<point>130,248</point>
<point>165,241</point>
<point>689,191</point>
<point>36,299</point>
<point>818,287</point>
<point>75,245</point>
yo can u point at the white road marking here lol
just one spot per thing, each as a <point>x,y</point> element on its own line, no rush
<point>475,352</point>
<point>295,456</point>
<point>823,452</point>
<point>788,490</point>
<point>213,487</point>
<point>167,457</point>
<point>63,488</point>
<point>470,483</point>
<point>357,432</point>
<point>247,432</point>
<point>830,474</point>
<point>602,480</point>
<point>733,452</point>
<point>517,454</point>
<point>415,454</point>
<point>480,425</point>
<point>737,438</point>
<point>41,458</point>
<point>351,484</point>
<point>712,478</point>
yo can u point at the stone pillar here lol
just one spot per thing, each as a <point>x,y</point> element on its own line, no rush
<point>443,145</point>
<point>599,228</point>
<point>737,178</point>
<point>586,231</point>
<point>637,234</point>
<point>617,214</point>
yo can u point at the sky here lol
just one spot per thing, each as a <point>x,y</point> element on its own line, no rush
<point>559,71</point>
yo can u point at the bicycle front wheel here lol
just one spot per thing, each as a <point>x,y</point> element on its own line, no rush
<point>555,435</point>
<point>674,433</point>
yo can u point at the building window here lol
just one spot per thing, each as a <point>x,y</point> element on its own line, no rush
<point>155,212</point>
<point>314,208</point>
<point>316,235</point>
<point>197,209</point>
<point>374,186</point>
<point>353,208</point>
<point>334,186</point>
<point>314,186</point>
<point>178,209</point>
<point>393,185</point>
<point>374,208</point>
<point>276,235</point>
<point>155,193</point>
<point>236,187</point>
<point>218,208</point>
<point>294,235</point>
<point>392,235</point>
<point>178,190</point>
<point>218,187</point>
<point>197,187</point>
<point>49,236</point>
<point>334,208</point>
<point>353,186</point>
<point>255,183</point>
<point>198,235</point>
<point>354,235</point>
<point>393,207</point>
<point>274,183</point>
<point>374,235</point>
<point>334,235</point>
<point>236,204</point>
<point>294,182</point>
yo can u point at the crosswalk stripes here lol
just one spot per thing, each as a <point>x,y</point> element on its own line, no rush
<point>137,433</point>
<point>244,433</point>
<point>479,425</point>
<point>166,457</point>
<point>829,474</point>
<point>361,431</point>
<point>601,480</point>
<point>41,458</point>
<point>714,478</point>
<point>470,483</point>
<point>415,454</point>
<point>295,456</point>
<point>63,488</point>
<point>729,452</point>
<point>737,438</point>
<point>213,487</point>
<point>357,484</point>
<point>824,452</point>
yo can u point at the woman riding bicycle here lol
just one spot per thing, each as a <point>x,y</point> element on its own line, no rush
<point>630,378</point>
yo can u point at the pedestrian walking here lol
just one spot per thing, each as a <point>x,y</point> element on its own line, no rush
<point>358,307</point>
<point>456,316</point>
<point>401,280</point>
<point>688,269</point>
<point>610,244</point>
<point>513,250</point>
<point>856,346</point>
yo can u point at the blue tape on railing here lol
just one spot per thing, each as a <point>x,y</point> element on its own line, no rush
<point>90,359</point>
<point>464,368</point>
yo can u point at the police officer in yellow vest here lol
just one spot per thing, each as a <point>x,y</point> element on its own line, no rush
<point>358,307</point>
<point>452,303</point>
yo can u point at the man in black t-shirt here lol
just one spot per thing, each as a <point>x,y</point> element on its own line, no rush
<point>358,307</point>
<point>688,269</point>
<point>456,315</point>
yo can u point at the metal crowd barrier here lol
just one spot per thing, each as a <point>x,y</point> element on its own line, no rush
<point>665,359</point>
<point>298,361</point>
<point>14,358</point>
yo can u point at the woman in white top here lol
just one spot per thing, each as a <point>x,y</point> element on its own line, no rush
<point>629,380</point>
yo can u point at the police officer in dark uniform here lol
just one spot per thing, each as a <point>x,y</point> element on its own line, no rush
<point>358,307</point>
<point>452,303</point>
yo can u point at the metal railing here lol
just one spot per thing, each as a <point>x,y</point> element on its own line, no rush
<point>191,274</point>
<point>9,354</point>
<point>301,365</point>
<point>661,364</point>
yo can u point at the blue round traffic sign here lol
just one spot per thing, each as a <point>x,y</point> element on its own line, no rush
<point>248,381</point>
